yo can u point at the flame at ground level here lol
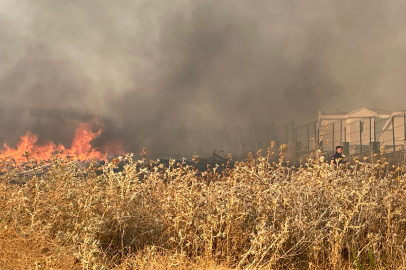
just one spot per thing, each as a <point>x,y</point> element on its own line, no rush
<point>81,149</point>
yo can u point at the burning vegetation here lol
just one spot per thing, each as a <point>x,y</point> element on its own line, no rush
<point>81,148</point>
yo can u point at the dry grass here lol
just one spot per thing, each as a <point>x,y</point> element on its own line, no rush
<point>254,216</point>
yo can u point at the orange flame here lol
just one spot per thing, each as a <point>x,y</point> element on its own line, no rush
<point>81,148</point>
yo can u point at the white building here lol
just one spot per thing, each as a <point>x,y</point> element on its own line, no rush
<point>360,127</point>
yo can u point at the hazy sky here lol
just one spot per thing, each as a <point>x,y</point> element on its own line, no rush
<point>157,67</point>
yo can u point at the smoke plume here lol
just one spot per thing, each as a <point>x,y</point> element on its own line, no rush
<point>164,74</point>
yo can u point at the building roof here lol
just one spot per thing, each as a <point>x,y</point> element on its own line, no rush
<point>334,113</point>
<point>381,111</point>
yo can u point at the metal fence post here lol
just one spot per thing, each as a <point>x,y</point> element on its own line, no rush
<point>235,137</point>
<point>256,137</point>
<point>404,125</point>
<point>333,138</point>
<point>240,139</point>
<point>308,143</point>
<point>345,134</point>
<point>273,132</point>
<point>370,129</point>
<point>295,135</point>
<point>374,129</point>
<point>276,133</point>
<point>250,142</point>
<point>315,132</point>
<point>360,135</point>
<point>393,133</point>
<point>267,134</point>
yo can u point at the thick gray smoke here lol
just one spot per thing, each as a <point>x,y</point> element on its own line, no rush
<point>165,72</point>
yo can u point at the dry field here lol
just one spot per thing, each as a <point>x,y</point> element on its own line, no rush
<point>257,215</point>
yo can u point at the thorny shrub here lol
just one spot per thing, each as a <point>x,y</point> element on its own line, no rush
<point>256,215</point>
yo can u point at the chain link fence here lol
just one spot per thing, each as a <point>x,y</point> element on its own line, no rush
<point>361,136</point>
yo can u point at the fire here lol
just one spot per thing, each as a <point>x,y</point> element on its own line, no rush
<point>81,149</point>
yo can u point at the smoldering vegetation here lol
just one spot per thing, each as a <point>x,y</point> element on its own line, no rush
<point>165,74</point>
